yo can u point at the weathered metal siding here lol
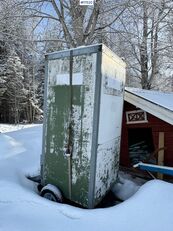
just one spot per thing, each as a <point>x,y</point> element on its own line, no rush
<point>83,124</point>
<point>84,100</point>
<point>57,125</point>
<point>111,106</point>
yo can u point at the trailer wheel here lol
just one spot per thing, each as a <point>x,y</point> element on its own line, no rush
<point>51,193</point>
<point>39,187</point>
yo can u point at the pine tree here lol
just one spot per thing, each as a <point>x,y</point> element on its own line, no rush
<point>15,94</point>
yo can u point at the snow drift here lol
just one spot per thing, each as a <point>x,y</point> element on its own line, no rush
<point>22,209</point>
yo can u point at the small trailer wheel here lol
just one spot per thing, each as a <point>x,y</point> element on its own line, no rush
<point>51,193</point>
<point>39,187</point>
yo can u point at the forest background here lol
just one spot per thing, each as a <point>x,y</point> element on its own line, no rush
<point>139,31</point>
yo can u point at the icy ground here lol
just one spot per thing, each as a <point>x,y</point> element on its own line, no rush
<point>22,209</point>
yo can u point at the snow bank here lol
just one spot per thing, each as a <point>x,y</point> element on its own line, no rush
<point>22,209</point>
<point>11,127</point>
<point>9,147</point>
<point>126,186</point>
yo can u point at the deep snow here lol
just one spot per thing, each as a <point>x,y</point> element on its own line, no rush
<point>22,209</point>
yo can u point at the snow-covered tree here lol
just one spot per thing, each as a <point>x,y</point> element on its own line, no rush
<point>139,36</point>
<point>79,25</point>
<point>15,95</point>
<point>17,65</point>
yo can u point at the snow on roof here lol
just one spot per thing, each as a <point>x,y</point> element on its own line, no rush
<point>162,99</point>
<point>157,103</point>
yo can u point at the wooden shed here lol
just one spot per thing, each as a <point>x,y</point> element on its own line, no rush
<point>147,129</point>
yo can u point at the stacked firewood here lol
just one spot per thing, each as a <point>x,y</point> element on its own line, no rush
<point>139,152</point>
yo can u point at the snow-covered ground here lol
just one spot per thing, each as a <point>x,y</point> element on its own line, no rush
<point>22,209</point>
<point>12,127</point>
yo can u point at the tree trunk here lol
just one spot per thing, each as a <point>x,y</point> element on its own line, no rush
<point>144,50</point>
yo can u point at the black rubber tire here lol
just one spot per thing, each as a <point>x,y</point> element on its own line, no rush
<point>48,194</point>
<point>39,187</point>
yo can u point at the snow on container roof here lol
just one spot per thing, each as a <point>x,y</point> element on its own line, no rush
<point>157,103</point>
<point>83,50</point>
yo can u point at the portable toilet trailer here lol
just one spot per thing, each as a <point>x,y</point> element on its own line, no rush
<point>82,122</point>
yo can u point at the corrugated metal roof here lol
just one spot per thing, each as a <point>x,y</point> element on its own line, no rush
<point>162,99</point>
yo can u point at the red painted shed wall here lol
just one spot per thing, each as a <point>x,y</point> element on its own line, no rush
<point>157,126</point>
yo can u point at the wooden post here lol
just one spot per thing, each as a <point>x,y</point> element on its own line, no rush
<point>161,153</point>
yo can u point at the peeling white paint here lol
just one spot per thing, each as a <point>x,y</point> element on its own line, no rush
<point>83,118</point>
<point>64,79</point>
<point>110,121</point>
<point>82,115</point>
<point>107,166</point>
<point>84,73</point>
